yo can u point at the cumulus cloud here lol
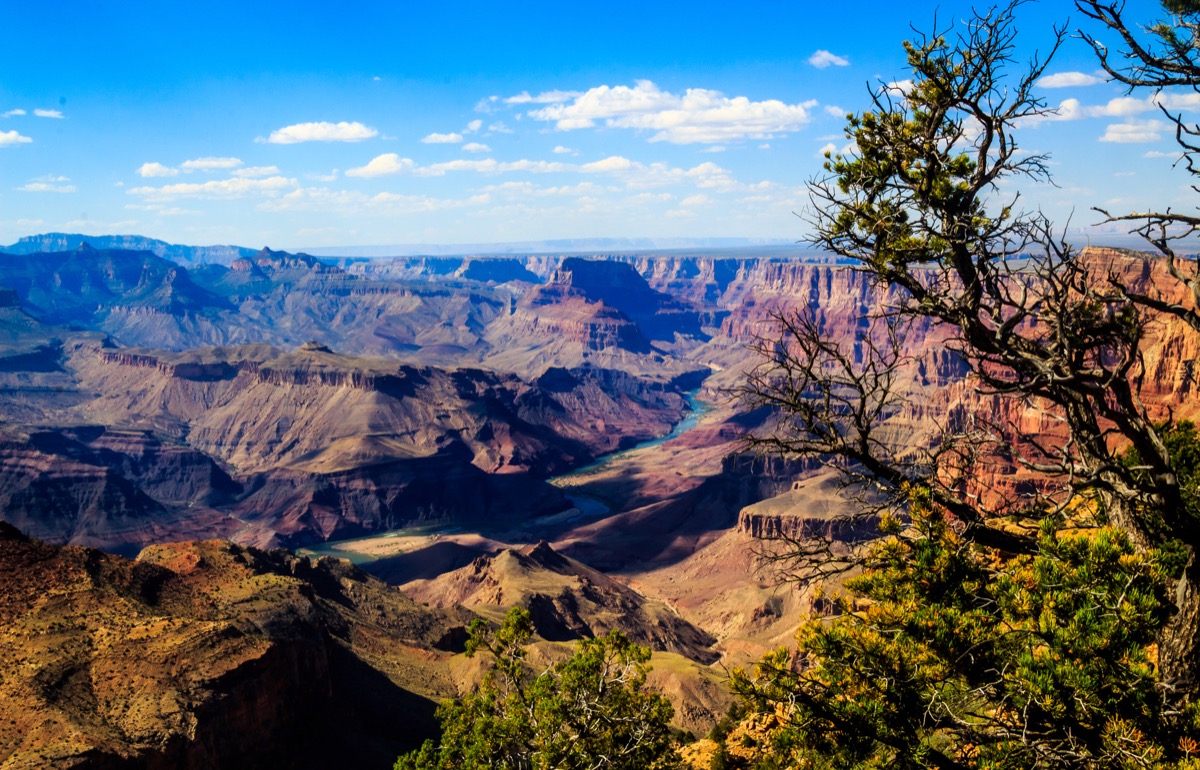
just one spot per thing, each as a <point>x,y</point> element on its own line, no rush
<point>699,115</point>
<point>451,138</point>
<point>561,150</point>
<point>608,165</point>
<point>352,201</point>
<point>476,147</point>
<point>822,59</point>
<point>473,126</point>
<point>1122,106</point>
<point>54,184</point>
<point>322,132</point>
<point>1161,154</point>
<point>383,165</point>
<point>210,164</point>
<point>492,166</point>
<point>161,210</point>
<point>48,114</point>
<point>156,169</point>
<point>235,187</point>
<point>1134,132</point>
<point>546,97</point>
<point>8,138</point>
<point>13,113</point>
<point>1068,79</point>
<point>253,172</point>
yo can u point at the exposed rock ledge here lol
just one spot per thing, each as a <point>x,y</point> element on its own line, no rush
<point>812,508</point>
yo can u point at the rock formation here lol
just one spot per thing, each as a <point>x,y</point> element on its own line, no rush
<point>210,655</point>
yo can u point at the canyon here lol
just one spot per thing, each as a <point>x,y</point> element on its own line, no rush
<point>466,433</point>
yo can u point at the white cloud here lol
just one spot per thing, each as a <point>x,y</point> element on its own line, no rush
<point>828,149</point>
<point>13,113</point>
<point>1134,131</point>
<point>491,166</point>
<point>8,138</point>
<point>1121,107</point>
<point>714,148</point>
<point>322,132</point>
<point>161,210</point>
<point>1068,109</point>
<point>355,202</point>
<point>487,104</point>
<point>608,165</point>
<point>1069,79</point>
<point>695,200</point>
<point>499,128</point>
<point>210,164</point>
<point>699,115</point>
<point>48,114</point>
<point>835,111</point>
<point>476,147</point>
<point>331,176</point>
<point>546,97</point>
<point>1173,100</point>
<point>473,126</point>
<point>235,187</point>
<point>561,150</point>
<point>452,138</point>
<point>383,165</point>
<point>822,59</point>
<point>156,169</point>
<point>52,183</point>
<point>1161,154</point>
<point>522,191</point>
<point>253,172</point>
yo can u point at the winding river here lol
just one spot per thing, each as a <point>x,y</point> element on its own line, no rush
<point>585,507</point>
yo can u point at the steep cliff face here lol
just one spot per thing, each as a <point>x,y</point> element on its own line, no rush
<point>210,655</point>
<point>293,508</point>
<point>257,408</point>
<point>598,312</point>
<point>274,448</point>
<point>114,491</point>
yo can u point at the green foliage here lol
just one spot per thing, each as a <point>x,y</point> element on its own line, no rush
<point>1009,637</point>
<point>589,711</point>
<point>1181,6</point>
<point>949,656</point>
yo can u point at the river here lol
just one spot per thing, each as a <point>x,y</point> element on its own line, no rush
<point>585,507</point>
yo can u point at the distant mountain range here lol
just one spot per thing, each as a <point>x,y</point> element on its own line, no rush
<point>560,246</point>
<point>226,254</point>
<point>57,242</point>
<point>745,247</point>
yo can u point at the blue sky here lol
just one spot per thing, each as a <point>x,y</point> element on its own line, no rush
<point>314,124</point>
